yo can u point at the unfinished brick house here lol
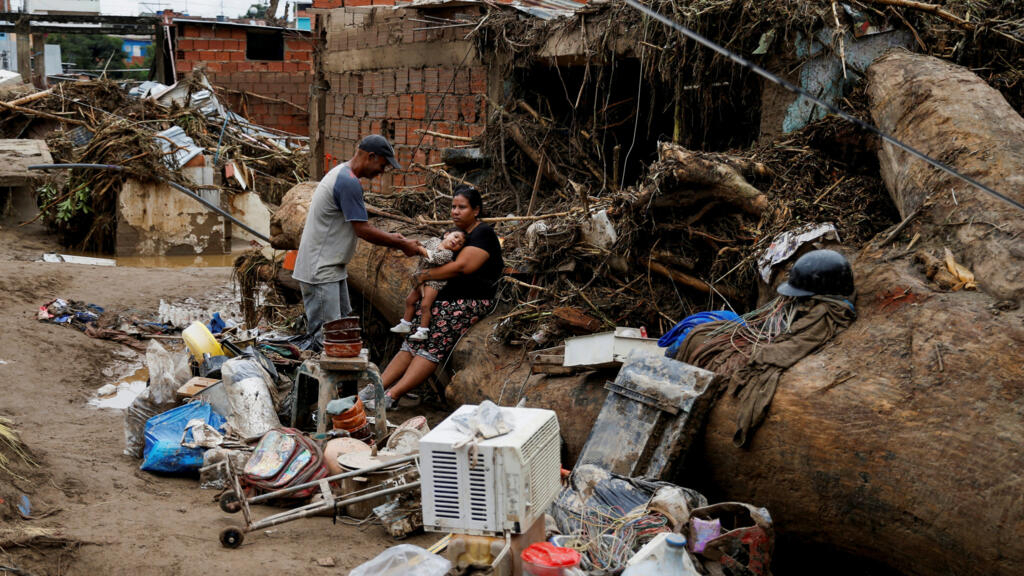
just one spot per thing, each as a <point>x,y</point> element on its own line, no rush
<point>263,72</point>
<point>405,71</point>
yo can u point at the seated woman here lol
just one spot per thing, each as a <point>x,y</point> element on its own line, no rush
<point>468,296</point>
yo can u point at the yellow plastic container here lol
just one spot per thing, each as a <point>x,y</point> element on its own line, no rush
<point>199,341</point>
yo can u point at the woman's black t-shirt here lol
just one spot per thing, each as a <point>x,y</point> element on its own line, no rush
<point>482,284</point>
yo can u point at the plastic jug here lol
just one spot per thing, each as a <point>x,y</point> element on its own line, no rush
<point>199,341</point>
<point>668,559</point>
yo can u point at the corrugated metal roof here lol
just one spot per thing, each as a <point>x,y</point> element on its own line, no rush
<point>543,9</point>
<point>548,9</point>
<point>177,147</point>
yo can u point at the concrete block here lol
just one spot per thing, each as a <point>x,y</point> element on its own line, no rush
<point>155,219</point>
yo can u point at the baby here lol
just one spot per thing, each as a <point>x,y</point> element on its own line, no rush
<point>435,252</point>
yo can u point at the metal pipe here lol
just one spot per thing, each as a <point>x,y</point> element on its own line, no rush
<point>174,185</point>
<point>324,506</point>
<point>504,551</point>
<point>342,476</point>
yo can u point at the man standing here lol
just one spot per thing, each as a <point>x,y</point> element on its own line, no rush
<point>336,219</point>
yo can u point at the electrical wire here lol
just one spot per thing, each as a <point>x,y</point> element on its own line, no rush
<point>834,110</point>
<point>639,91</point>
<point>608,536</point>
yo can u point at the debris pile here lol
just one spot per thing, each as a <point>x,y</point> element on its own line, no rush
<point>684,239</point>
<point>150,131</point>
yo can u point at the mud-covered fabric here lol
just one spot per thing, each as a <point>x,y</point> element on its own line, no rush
<point>449,320</point>
<point>754,368</point>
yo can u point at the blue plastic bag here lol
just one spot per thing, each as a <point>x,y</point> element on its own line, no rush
<point>163,451</point>
<point>216,325</point>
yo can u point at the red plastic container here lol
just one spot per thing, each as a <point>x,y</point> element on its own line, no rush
<point>289,259</point>
<point>546,559</point>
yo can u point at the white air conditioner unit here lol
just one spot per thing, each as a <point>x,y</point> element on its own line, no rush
<point>515,478</point>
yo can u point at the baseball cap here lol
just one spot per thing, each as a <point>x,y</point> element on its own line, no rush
<point>380,146</point>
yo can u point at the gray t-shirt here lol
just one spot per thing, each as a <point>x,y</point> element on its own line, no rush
<point>329,240</point>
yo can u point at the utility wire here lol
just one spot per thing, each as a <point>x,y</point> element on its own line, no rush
<point>801,92</point>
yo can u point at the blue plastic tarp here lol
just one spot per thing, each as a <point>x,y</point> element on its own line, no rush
<point>163,451</point>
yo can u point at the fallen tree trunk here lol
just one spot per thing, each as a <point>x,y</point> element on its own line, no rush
<point>287,222</point>
<point>949,113</point>
<point>705,177</point>
<point>898,442</point>
<point>382,275</point>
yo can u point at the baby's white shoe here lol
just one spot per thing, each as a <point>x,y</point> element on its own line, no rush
<point>403,327</point>
<point>420,334</point>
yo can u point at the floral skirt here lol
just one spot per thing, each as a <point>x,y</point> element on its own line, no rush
<point>449,320</point>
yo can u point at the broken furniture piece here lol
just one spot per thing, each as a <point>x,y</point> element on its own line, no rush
<point>330,378</point>
<point>236,500</point>
<point>608,348</point>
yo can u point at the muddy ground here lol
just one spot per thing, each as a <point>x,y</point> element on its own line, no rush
<point>107,516</point>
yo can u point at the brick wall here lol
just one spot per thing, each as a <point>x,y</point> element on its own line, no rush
<point>220,51</point>
<point>386,77</point>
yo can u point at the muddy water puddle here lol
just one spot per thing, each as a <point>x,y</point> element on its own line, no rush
<point>189,261</point>
<point>161,261</point>
<point>120,394</point>
<point>181,261</point>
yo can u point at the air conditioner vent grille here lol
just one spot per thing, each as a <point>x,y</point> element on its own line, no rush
<point>446,484</point>
<point>540,439</point>
<point>478,501</point>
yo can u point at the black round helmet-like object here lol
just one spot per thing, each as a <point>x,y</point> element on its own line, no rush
<point>819,272</point>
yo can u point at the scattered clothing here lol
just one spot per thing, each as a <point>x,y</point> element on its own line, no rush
<point>70,312</point>
<point>95,322</point>
<point>216,324</point>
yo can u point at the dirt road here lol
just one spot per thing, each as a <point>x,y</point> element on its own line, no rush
<point>113,518</point>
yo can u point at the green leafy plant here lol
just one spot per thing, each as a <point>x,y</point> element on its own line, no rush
<point>61,207</point>
<point>77,202</point>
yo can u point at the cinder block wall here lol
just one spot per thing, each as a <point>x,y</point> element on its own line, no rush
<point>220,51</point>
<point>387,77</point>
